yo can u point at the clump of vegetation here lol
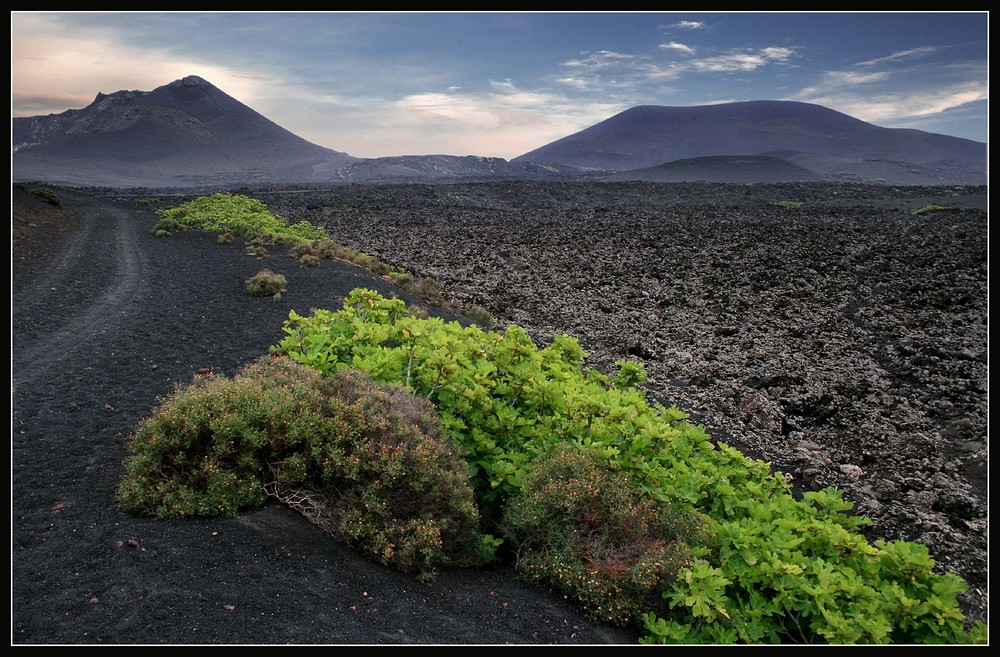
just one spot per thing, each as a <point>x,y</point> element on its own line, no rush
<point>368,463</point>
<point>48,196</point>
<point>301,249</point>
<point>581,528</point>
<point>773,569</point>
<point>166,227</point>
<point>224,238</point>
<point>240,215</point>
<point>481,317</point>
<point>258,250</point>
<point>929,208</point>
<point>309,260</point>
<point>266,283</point>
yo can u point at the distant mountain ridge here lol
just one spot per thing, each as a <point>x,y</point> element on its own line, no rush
<point>189,133</point>
<point>834,145</point>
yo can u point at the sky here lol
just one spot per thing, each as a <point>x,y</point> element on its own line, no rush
<point>500,84</point>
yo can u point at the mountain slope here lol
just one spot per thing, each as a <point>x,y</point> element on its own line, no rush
<point>830,143</point>
<point>721,169</point>
<point>186,131</point>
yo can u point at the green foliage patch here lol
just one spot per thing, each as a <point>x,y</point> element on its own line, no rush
<point>240,215</point>
<point>774,569</point>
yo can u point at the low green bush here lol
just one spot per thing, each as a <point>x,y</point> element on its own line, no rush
<point>929,208</point>
<point>166,226</point>
<point>241,215</point>
<point>775,569</point>
<point>368,463</point>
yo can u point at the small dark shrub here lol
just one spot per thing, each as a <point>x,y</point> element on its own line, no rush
<point>166,226</point>
<point>579,526</point>
<point>301,249</point>
<point>327,248</point>
<point>48,196</point>
<point>481,317</point>
<point>266,283</point>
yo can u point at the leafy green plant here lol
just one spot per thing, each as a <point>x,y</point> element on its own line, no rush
<point>266,283</point>
<point>367,463</point>
<point>240,215</point>
<point>309,260</point>
<point>776,569</point>
<point>929,208</point>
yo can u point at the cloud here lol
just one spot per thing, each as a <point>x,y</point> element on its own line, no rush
<point>688,25</point>
<point>902,54</point>
<point>599,59</point>
<point>901,106</point>
<point>741,61</point>
<point>851,78</point>
<point>504,122</point>
<point>44,57</point>
<point>680,47</point>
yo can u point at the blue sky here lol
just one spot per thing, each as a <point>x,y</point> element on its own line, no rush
<point>501,84</point>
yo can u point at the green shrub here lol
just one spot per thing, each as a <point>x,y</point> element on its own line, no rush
<point>309,260</point>
<point>302,248</point>
<point>166,226</point>
<point>241,215</point>
<point>266,283</point>
<point>48,196</point>
<point>775,570</point>
<point>327,248</point>
<point>929,208</point>
<point>256,250</point>
<point>370,464</point>
<point>224,238</point>
<point>581,528</point>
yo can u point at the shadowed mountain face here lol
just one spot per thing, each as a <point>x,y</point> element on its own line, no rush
<point>189,133</point>
<point>833,145</point>
<point>186,132</point>
<point>721,169</point>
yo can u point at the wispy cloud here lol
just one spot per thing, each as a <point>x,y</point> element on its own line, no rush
<point>679,47</point>
<point>741,61</point>
<point>688,25</point>
<point>898,106</point>
<point>902,54</point>
<point>599,59</point>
